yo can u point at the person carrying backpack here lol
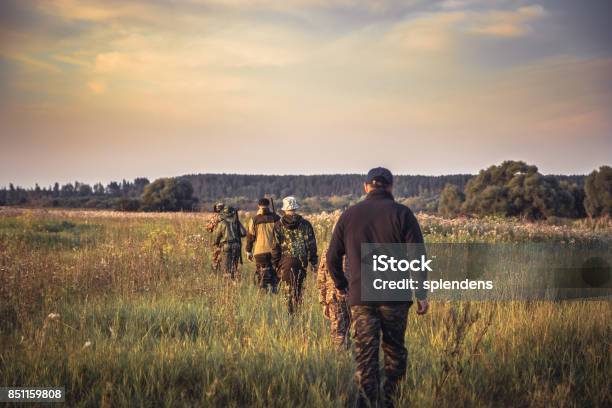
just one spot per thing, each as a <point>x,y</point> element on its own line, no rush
<point>295,248</point>
<point>228,236</point>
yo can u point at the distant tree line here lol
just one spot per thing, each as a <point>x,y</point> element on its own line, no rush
<point>209,187</point>
<point>77,194</point>
<point>512,188</point>
<point>321,192</point>
<point>167,194</point>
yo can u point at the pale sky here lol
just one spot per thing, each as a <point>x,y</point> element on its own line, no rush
<point>103,90</point>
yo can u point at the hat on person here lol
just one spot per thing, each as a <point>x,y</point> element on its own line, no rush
<point>379,176</point>
<point>290,203</point>
<point>263,202</point>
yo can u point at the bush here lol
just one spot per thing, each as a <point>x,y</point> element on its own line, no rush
<point>127,204</point>
<point>451,200</point>
<point>598,192</point>
<point>168,194</point>
<point>517,189</point>
<point>420,203</point>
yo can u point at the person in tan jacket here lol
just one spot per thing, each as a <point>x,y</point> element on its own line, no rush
<point>260,241</point>
<point>335,308</point>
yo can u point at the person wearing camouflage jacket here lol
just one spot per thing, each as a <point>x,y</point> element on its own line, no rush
<point>211,224</point>
<point>228,236</point>
<point>335,307</point>
<point>295,247</point>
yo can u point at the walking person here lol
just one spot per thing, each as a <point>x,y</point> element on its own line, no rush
<point>228,236</point>
<point>295,248</point>
<point>260,241</point>
<point>211,225</point>
<point>335,306</point>
<point>377,219</point>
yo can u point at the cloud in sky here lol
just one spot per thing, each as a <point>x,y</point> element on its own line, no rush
<point>512,23</point>
<point>108,89</point>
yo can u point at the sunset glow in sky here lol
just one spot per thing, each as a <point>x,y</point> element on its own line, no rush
<point>102,90</point>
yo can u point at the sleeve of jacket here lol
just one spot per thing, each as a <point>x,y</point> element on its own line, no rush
<point>335,255</point>
<point>276,245</point>
<point>414,237</point>
<point>251,235</point>
<point>313,258</point>
<point>322,280</point>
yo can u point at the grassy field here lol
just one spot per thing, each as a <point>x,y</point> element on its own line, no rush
<point>123,309</point>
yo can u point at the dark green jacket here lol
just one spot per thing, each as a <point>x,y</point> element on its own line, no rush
<point>229,230</point>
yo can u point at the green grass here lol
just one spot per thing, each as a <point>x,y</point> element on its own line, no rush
<point>144,322</point>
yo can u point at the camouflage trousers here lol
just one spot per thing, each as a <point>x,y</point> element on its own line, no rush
<point>339,316</point>
<point>368,324</point>
<point>229,259</point>
<point>216,257</point>
<point>265,274</point>
<point>292,273</point>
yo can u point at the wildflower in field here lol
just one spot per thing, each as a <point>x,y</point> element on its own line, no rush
<point>53,316</point>
<point>87,344</point>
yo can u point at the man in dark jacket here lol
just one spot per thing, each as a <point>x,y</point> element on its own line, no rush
<point>295,247</point>
<point>260,241</point>
<point>377,219</point>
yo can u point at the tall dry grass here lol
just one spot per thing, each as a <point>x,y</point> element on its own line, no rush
<point>124,310</point>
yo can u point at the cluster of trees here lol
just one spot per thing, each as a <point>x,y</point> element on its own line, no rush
<point>166,194</point>
<point>75,194</point>
<point>598,192</point>
<point>515,188</point>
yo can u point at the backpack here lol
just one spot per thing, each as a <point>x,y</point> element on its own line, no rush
<point>234,230</point>
<point>295,243</point>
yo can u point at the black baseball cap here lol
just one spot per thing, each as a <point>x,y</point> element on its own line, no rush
<point>379,175</point>
<point>264,202</point>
